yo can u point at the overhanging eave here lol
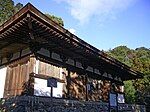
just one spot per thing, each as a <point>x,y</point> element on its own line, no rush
<point>29,26</point>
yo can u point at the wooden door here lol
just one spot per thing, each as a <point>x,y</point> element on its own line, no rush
<point>17,75</point>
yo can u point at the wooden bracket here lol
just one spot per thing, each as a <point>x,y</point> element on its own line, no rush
<point>30,26</point>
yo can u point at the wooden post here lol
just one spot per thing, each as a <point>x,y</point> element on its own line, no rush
<point>68,83</point>
<point>86,88</point>
<point>51,91</point>
<point>64,59</point>
<point>85,65</point>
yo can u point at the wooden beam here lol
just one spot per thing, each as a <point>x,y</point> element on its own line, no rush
<point>43,76</point>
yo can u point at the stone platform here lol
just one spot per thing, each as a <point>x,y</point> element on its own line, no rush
<point>44,104</point>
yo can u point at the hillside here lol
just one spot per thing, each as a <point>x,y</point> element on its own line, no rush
<point>139,59</point>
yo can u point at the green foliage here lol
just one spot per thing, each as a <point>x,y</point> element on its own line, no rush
<point>58,20</point>
<point>18,7</point>
<point>7,9</point>
<point>129,92</point>
<point>123,54</point>
<point>139,60</point>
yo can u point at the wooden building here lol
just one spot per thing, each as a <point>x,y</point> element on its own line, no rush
<point>33,48</point>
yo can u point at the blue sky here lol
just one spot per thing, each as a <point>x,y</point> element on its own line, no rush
<point>104,24</point>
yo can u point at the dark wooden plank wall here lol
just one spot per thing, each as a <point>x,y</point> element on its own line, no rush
<point>77,87</point>
<point>49,70</point>
<point>95,92</point>
<point>75,84</point>
<point>17,74</point>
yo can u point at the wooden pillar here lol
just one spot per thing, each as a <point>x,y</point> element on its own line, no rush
<point>68,83</point>
<point>86,88</point>
<point>85,65</point>
<point>68,77</point>
<point>51,91</point>
<point>29,85</point>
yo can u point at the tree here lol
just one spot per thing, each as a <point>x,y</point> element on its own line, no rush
<point>58,20</point>
<point>139,59</point>
<point>123,54</point>
<point>18,7</point>
<point>7,9</point>
<point>129,92</point>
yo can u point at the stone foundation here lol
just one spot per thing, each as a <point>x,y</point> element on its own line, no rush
<point>40,104</point>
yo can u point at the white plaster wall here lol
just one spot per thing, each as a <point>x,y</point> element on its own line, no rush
<point>41,89</point>
<point>40,85</point>
<point>57,92</point>
<point>2,80</point>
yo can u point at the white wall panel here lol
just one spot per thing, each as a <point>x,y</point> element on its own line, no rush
<point>2,80</point>
<point>41,89</point>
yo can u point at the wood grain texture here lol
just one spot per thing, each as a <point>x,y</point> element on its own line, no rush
<point>49,70</point>
<point>18,74</point>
